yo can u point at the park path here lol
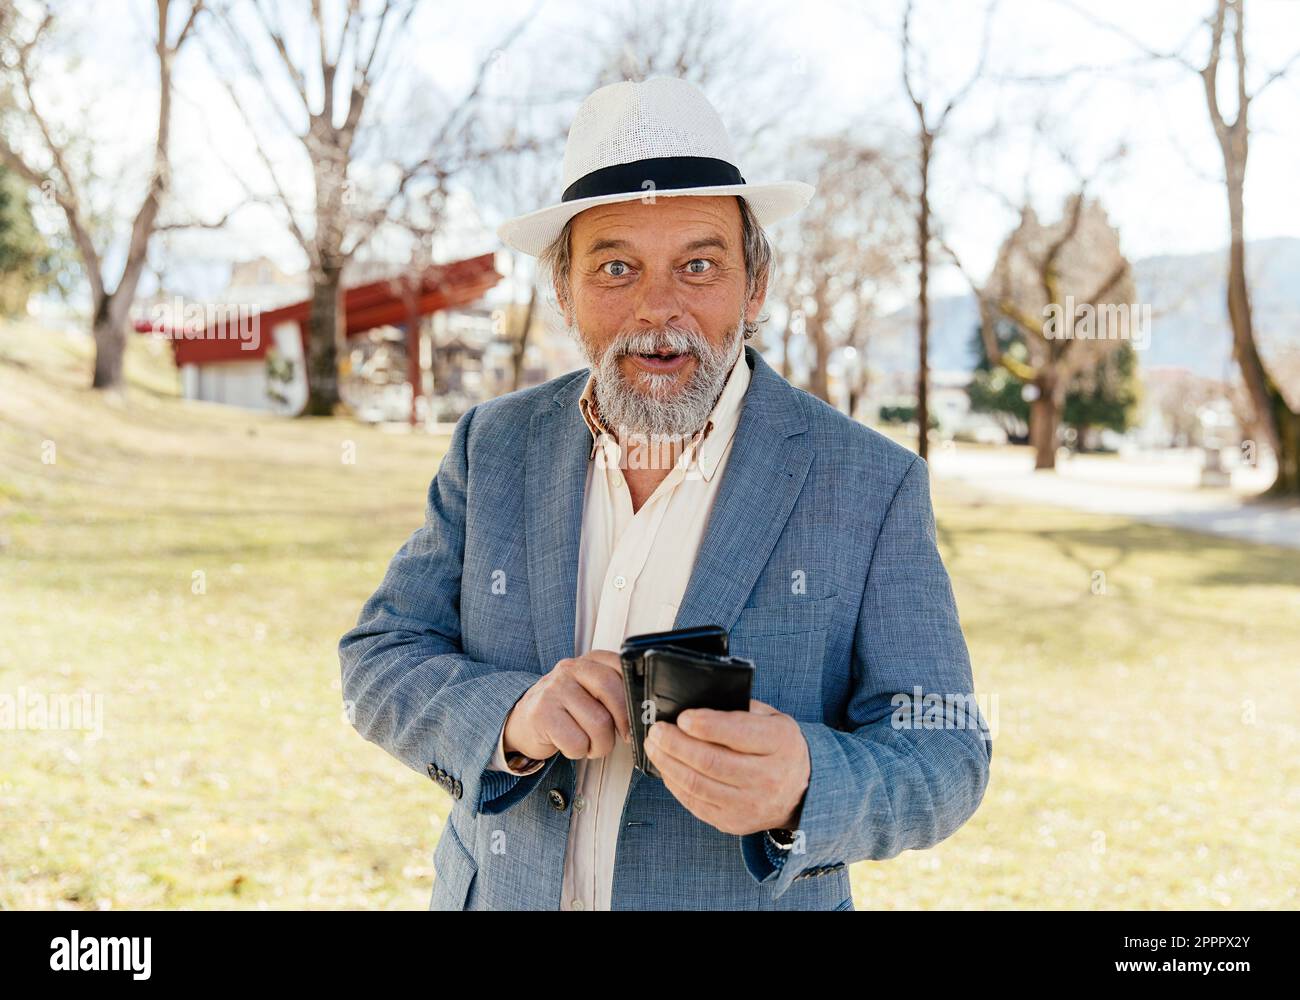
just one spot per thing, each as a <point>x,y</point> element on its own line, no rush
<point>1160,488</point>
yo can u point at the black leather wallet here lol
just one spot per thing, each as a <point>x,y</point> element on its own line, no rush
<point>701,639</point>
<point>665,673</point>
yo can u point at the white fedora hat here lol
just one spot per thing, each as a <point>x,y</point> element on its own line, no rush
<point>660,137</point>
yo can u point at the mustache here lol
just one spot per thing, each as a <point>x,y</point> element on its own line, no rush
<point>671,340</point>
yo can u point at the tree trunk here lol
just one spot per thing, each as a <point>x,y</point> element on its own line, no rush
<point>817,383</point>
<point>1273,415</point>
<point>857,389</point>
<point>110,346</point>
<point>109,327</point>
<point>520,347</point>
<point>1287,483</point>
<point>1275,418</point>
<point>923,302</point>
<point>324,334</point>
<point>1044,418</point>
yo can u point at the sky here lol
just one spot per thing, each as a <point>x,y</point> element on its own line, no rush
<point>842,64</point>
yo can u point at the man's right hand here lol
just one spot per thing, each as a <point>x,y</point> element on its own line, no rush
<point>578,709</point>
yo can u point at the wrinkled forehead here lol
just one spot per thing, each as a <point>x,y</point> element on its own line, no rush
<point>665,224</point>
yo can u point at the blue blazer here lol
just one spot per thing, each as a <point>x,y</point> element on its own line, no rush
<point>819,558</point>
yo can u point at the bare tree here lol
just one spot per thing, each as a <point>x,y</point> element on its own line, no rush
<point>518,184</point>
<point>1277,418</point>
<point>851,244</point>
<point>43,157</point>
<point>332,83</point>
<point>931,124</point>
<point>1067,289</point>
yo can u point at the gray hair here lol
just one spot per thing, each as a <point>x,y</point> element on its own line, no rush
<point>556,261</point>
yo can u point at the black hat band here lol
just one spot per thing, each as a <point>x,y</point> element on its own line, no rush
<point>652,174</point>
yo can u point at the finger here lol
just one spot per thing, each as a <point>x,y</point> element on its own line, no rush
<point>566,735</point>
<point>605,684</point>
<point>699,809</point>
<point>608,658</point>
<point>745,732</point>
<point>761,707</point>
<point>687,783</point>
<point>591,714</point>
<point>599,724</point>
<point>718,763</point>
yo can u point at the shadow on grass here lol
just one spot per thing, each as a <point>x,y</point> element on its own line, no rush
<point>1010,567</point>
<point>1228,562</point>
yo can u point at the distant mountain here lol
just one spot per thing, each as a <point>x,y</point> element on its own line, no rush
<point>953,319</point>
<point>1187,294</point>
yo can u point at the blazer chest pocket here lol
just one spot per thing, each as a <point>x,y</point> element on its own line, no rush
<point>787,642</point>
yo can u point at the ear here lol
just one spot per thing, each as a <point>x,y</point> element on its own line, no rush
<point>755,304</point>
<point>562,301</point>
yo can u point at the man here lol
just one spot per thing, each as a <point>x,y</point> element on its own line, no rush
<point>680,481</point>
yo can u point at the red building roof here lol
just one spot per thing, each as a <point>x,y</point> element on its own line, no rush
<point>380,303</point>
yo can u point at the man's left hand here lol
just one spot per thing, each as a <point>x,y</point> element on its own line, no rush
<point>740,772</point>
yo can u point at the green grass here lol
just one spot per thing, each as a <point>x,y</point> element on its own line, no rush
<point>1147,749</point>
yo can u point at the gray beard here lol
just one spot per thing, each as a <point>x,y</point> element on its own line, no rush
<point>648,404</point>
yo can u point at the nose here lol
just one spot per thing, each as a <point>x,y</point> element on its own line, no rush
<point>657,303</point>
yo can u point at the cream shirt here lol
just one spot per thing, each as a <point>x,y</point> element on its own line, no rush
<point>633,569</point>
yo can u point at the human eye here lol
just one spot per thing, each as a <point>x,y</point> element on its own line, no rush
<point>699,260</point>
<point>614,263</point>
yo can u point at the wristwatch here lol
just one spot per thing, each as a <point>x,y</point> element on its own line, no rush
<point>517,761</point>
<point>784,839</point>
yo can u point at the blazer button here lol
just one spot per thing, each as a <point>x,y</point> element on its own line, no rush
<point>557,799</point>
<point>457,788</point>
<point>433,772</point>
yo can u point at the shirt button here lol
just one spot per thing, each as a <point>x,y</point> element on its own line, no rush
<point>576,904</point>
<point>579,803</point>
<point>617,481</point>
<point>620,582</point>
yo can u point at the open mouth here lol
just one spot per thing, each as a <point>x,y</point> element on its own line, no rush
<point>660,361</point>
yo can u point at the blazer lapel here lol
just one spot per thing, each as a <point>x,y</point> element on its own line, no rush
<point>769,461</point>
<point>555,482</point>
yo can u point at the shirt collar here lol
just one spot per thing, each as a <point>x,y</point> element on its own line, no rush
<point>718,429</point>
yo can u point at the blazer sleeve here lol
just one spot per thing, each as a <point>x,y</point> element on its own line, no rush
<point>408,685</point>
<point>911,763</point>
